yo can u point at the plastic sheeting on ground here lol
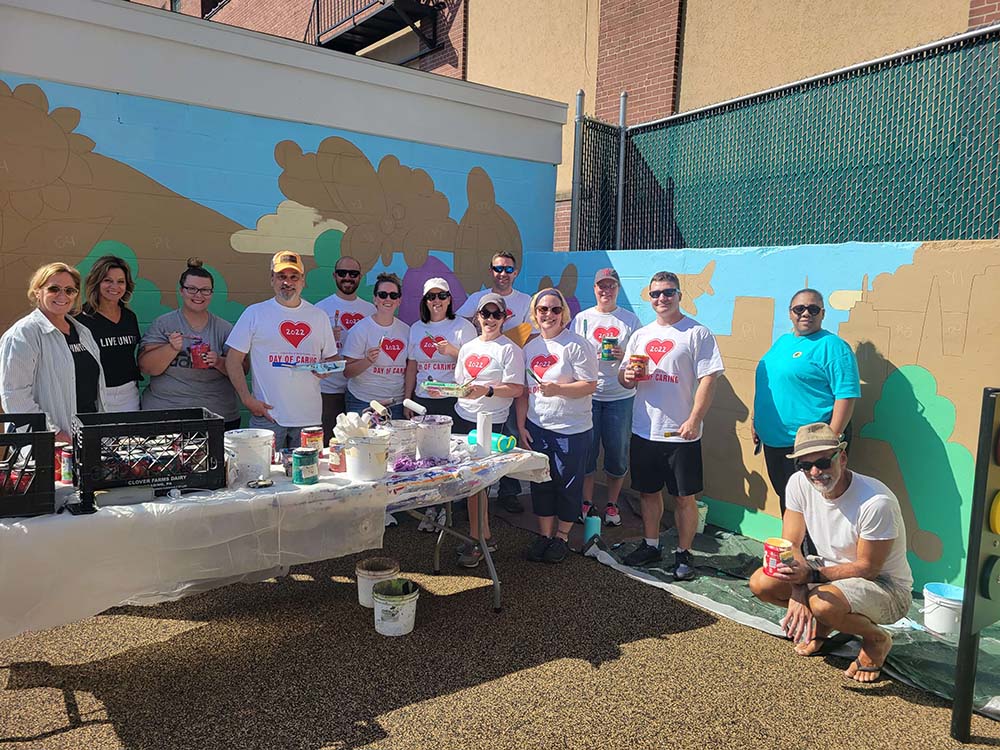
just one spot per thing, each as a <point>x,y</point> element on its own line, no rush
<point>725,562</point>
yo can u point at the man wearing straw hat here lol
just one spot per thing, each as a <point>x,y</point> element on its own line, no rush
<point>860,577</point>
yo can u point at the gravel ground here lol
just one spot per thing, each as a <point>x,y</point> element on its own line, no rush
<point>580,657</point>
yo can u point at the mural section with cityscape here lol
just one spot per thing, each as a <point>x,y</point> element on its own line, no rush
<point>85,173</point>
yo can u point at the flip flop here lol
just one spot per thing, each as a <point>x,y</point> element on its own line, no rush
<point>859,667</point>
<point>830,644</point>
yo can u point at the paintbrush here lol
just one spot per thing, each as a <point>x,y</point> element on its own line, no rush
<point>533,375</point>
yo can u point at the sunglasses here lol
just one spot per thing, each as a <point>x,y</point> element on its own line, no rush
<point>813,309</point>
<point>497,314</point>
<point>347,274</point>
<point>196,290</point>
<point>503,269</point>
<point>437,295</point>
<point>557,310</point>
<point>388,295</point>
<point>70,291</point>
<point>822,464</point>
<point>668,293</point>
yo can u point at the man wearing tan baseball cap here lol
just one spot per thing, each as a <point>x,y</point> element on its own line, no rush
<point>860,577</point>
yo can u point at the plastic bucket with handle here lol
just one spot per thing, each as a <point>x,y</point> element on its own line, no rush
<point>434,436</point>
<point>942,608</point>
<point>253,451</point>
<point>367,457</point>
<point>395,606</point>
<point>372,571</point>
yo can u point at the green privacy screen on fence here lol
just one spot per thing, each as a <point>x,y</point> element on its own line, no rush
<point>901,150</point>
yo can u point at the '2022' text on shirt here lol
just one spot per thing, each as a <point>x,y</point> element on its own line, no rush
<point>384,380</point>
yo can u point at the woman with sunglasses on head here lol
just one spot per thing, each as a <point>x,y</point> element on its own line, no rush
<point>184,353</point>
<point>375,350</point>
<point>809,375</point>
<point>554,417</point>
<point>108,288</point>
<point>49,362</point>
<point>494,367</point>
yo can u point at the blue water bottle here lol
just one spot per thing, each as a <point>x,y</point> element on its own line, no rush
<point>591,527</point>
<point>498,443</point>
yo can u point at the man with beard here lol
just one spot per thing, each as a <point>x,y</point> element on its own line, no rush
<point>860,577</point>
<point>344,308</point>
<point>278,334</point>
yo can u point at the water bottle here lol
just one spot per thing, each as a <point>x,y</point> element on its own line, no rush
<point>498,443</point>
<point>591,527</point>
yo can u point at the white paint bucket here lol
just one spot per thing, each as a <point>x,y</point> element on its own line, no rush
<point>433,436</point>
<point>395,606</point>
<point>367,457</point>
<point>253,451</point>
<point>372,571</point>
<point>702,517</point>
<point>942,608</point>
<point>404,439</point>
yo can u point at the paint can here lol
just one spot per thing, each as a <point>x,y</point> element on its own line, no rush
<point>66,464</point>
<point>305,466</point>
<point>311,437</point>
<point>286,461</point>
<point>198,352</point>
<point>942,608</point>
<point>372,571</point>
<point>639,364</point>
<point>367,457</point>
<point>434,436</point>
<point>702,516</point>
<point>608,344</point>
<point>253,451</point>
<point>58,461</point>
<point>338,457</point>
<point>395,606</point>
<point>404,439</point>
<point>777,551</point>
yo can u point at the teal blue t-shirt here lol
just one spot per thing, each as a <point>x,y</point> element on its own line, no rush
<point>797,382</point>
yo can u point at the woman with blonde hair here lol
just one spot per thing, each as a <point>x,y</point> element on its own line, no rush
<point>554,417</point>
<point>49,363</point>
<point>108,288</point>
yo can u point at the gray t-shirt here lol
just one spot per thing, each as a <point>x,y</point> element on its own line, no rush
<point>182,386</point>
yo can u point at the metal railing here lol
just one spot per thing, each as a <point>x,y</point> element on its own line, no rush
<point>328,15</point>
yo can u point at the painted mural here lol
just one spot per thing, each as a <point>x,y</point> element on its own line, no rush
<point>85,172</point>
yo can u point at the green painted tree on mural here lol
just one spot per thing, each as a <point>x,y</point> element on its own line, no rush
<point>917,423</point>
<point>319,281</point>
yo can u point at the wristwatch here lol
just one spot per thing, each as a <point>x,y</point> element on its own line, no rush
<point>489,392</point>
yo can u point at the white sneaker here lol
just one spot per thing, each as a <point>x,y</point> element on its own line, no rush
<point>427,524</point>
<point>390,520</point>
<point>442,519</point>
<point>611,515</point>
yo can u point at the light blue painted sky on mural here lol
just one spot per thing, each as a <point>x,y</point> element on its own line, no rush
<point>739,272</point>
<point>225,161</point>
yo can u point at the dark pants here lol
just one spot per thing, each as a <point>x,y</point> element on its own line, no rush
<point>443,407</point>
<point>333,407</point>
<point>508,485</point>
<point>562,495</point>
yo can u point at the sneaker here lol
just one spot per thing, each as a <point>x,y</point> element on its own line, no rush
<point>390,520</point>
<point>584,511</point>
<point>465,547</point>
<point>683,569</point>
<point>510,503</point>
<point>536,552</point>
<point>442,517</point>
<point>472,556</point>
<point>556,552</point>
<point>427,524</point>
<point>611,515</point>
<point>642,555</point>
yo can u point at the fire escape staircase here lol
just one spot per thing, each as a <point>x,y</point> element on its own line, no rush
<point>352,25</point>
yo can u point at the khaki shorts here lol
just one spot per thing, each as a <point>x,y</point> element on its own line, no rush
<point>879,600</point>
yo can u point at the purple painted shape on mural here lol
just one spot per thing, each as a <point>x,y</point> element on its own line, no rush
<point>413,283</point>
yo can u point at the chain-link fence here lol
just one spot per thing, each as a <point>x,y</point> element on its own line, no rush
<point>906,149</point>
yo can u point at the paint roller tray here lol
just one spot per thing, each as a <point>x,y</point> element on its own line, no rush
<point>321,368</point>
<point>449,389</point>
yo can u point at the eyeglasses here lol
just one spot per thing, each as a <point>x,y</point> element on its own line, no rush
<point>69,291</point>
<point>822,463</point>
<point>497,314</point>
<point>194,291</point>
<point>439,295</point>
<point>347,274</point>
<point>813,309</point>
<point>503,269</point>
<point>388,295</point>
<point>668,293</point>
<point>557,310</point>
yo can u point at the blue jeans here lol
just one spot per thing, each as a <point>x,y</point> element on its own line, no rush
<point>562,495</point>
<point>284,437</point>
<point>612,427</point>
<point>352,403</point>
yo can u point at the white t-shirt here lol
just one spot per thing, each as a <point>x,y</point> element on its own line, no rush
<point>566,358</point>
<point>489,363</point>
<point>275,337</point>
<point>593,326</point>
<point>384,380</point>
<point>344,313</point>
<point>517,307</point>
<point>866,510</point>
<point>679,356</point>
<point>430,362</point>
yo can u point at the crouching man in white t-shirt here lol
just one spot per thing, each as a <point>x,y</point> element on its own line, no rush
<point>860,577</point>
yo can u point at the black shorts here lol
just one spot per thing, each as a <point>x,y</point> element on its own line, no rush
<point>654,464</point>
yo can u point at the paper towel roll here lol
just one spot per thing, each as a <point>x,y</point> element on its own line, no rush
<point>484,430</point>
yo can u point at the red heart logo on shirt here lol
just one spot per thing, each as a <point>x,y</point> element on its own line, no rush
<point>429,345</point>
<point>542,363</point>
<point>600,333</point>
<point>393,347</point>
<point>347,320</point>
<point>476,364</point>
<point>656,348</point>
<point>294,331</point>
<point>510,314</point>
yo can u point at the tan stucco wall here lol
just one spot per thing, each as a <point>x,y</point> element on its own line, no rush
<point>737,47</point>
<point>546,49</point>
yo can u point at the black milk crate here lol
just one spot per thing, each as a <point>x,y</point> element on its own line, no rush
<point>27,466</point>
<point>166,448</point>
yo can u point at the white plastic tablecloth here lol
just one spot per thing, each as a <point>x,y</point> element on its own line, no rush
<point>61,568</point>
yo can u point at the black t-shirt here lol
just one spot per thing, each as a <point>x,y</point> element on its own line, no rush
<point>117,342</point>
<point>87,373</point>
